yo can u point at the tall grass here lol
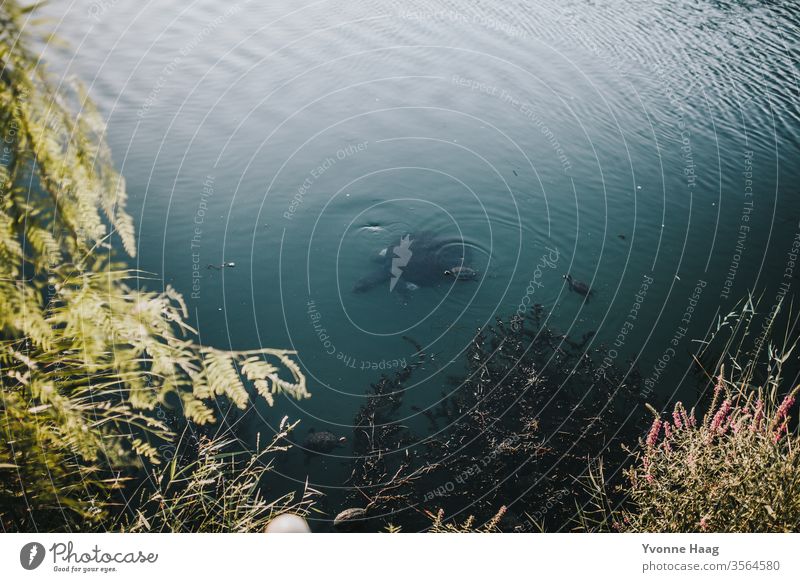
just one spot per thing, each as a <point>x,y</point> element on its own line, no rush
<point>217,490</point>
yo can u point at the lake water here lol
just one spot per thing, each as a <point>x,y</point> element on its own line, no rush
<point>649,149</point>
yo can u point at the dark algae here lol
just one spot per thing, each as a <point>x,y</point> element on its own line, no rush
<point>520,427</point>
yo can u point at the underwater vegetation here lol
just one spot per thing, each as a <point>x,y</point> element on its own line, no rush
<point>518,429</point>
<point>540,433</point>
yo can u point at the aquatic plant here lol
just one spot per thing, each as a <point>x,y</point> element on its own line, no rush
<point>521,424</point>
<point>86,354</point>
<point>383,481</point>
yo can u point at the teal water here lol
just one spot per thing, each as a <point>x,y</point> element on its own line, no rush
<point>649,149</point>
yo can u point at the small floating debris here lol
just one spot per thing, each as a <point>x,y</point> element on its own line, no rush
<point>222,266</point>
<point>372,228</point>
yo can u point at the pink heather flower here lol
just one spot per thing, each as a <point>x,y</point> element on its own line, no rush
<point>667,437</point>
<point>676,418</point>
<point>646,467</point>
<point>690,419</point>
<point>783,409</point>
<point>782,429</point>
<point>719,417</point>
<point>758,416</point>
<point>652,436</point>
<point>704,523</point>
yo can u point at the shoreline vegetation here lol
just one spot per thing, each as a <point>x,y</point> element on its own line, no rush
<point>88,358</point>
<point>733,466</point>
<point>109,401</point>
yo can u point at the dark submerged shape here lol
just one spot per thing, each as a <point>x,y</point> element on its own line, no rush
<point>322,442</point>
<point>222,266</point>
<point>421,259</point>
<point>351,519</point>
<point>579,287</point>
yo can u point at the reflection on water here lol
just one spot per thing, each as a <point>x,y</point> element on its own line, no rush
<point>657,144</point>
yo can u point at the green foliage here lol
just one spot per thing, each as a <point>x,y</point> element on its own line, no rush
<point>86,355</point>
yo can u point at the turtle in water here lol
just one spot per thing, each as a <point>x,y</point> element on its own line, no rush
<point>321,442</point>
<point>579,287</point>
<point>419,260</point>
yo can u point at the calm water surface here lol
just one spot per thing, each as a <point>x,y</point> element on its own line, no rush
<point>649,149</point>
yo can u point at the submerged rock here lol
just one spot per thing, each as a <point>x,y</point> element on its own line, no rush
<point>322,442</point>
<point>348,515</point>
